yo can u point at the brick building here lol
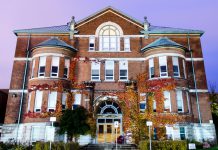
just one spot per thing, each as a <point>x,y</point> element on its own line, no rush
<point>128,47</point>
<point>3,103</point>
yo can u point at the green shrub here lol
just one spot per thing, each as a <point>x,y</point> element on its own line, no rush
<point>164,145</point>
<point>56,146</point>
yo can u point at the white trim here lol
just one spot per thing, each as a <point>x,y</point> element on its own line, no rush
<point>49,54</point>
<point>198,90</point>
<point>108,23</point>
<point>22,59</point>
<point>87,36</point>
<point>105,13</point>
<point>194,59</point>
<point>18,91</point>
<point>48,78</point>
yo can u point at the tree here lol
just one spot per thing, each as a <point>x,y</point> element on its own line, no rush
<point>74,123</point>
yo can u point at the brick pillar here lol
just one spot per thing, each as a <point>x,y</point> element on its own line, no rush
<point>121,44</point>
<point>61,67</point>
<point>32,101</point>
<point>156,67</point>
<point>36,68</point>
<point>173,101</point>
<point>185,104</point>
<point>48,66</point>
<point>45,96</point>
<point>116,70</point>
<point>102,72</point>
<point>181,67</point>
<point>170,66</point>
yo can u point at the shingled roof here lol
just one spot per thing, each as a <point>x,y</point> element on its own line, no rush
<point>55,42</point>
<point>163,42</point>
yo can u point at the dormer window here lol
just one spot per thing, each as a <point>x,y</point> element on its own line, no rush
<point>109,38</point>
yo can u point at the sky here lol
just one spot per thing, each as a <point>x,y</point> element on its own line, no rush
<point>190,14</point>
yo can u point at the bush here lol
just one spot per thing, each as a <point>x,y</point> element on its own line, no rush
<point>164,145</point>
<point>13,146</point>
<point>56,146</point>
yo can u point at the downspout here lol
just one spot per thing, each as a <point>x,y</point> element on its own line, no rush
<point>195,84</point>
<point>23,86</point>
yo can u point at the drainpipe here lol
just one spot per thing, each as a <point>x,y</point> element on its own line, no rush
<point>23,86</point>
<point>195,84</point>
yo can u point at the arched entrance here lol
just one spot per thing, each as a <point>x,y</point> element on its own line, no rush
<point>108,111</point>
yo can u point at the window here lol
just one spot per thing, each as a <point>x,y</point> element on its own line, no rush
<point>167,103</point>
<point>66,67</point>
<point>95,72</point>
<point>182,133</point>
<point>154,106</point>
<point>49,133</point>
<point>155,134</point>
<point>42,61</point>
<point>123,66</point>
<point>38,101</point>
<point>184,69</point>
<point>77,101</point>
<point>29,100</point>
<point>142,106</point>
<point>63,102</point>
<point>109,70</point>
<point>33,67</point>
<point>109,38</point>
<point>126,44</point>
<point>151,68</point>
<point>54,66</point>
<point>91,43</point>
<point>163,66</point>
<point>179,99</point>
<point>37,133</point>
<point>52,99</point>
<point>175,67</point>
<point>169,133</point>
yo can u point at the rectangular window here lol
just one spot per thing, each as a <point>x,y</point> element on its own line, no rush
<point>163,66</point>
<point>49,133</point>
<point>123,66</point>
<point>63,102</point>
<point>109,70</point>
<point>167,103</point>
<point>38,101</point>
<point>184,69</point>
<point>55,66</point>
<point>91,43</point>
<point>77,101</point>
<point>126,44</point>
<point>169,133</point>
<point>176,67</point>
<point>42,62</point>
<point>52,100</point>
<point>29,100</point>
<point>182,133</point>
<point>179,100</point>
<point>154,106</point>
<point>142,104</point>
<point>95,71</point>
<point>33,67</point>
<point>151,68</point>
<point>155,134</point>
<point>66,67</point>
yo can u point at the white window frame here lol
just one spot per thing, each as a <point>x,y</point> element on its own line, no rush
<point>64,100</point>
<point>109,65</point>
<point>38,101</point>
<point>169,131</point>
<point>66,67</point>
<point>78,99</point>
<point>42,63</point>
<point>179,97</point>
<point>154,106</point>
<point>176,64</point>
<point>163,62</point>
<point>151,65</point>
<point>33,68</point>
<point>29,101</point>
<point>123,65</point>
<point>52,97</point>
<point>184,68</point>
<point>182,133</point>
<point>92,41</point>
<point>97,67</point>
<point>55,63</point>
<point>126,44</point>
<point>167,93</point>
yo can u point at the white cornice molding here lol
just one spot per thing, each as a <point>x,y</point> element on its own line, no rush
<point>18,91</point>
<point>198,90</point>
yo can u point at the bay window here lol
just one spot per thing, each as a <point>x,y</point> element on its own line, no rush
<point>52,100</point>
<point>163,66</point>
<point>38,101</point>
<point>151,68</point>
<point>175,67</point>
<point>55,66</point>
<point>42,62</point>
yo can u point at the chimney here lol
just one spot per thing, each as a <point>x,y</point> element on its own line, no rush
<point>72,27</point>
<point>146,24</point>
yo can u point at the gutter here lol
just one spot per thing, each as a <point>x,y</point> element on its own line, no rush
<point>23,86</point>
<point>195,83</point>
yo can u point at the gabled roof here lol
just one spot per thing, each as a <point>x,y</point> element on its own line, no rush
<point>170,30</point>
<point>55,42</point>
<point>64,29</point>
<point>163,42</point>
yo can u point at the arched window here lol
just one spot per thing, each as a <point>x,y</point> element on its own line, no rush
<point>109,38</point>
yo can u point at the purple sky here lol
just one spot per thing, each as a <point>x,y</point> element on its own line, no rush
<point>191,14</point>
